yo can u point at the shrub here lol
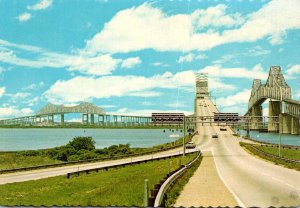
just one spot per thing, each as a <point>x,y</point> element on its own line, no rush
<point>30,153</point>
<point>79,143</point>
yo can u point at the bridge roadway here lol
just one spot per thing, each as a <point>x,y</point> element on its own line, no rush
<point>252,181</point>
<point>51,172</point>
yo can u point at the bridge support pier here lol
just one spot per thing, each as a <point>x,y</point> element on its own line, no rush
<point>62,119</point>
<point>256,121</point>
<point>285,124</point>
<point>92,119</point>
<point>274,110</point>
<point>295,126</point>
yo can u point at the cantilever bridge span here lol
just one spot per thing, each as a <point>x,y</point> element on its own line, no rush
<point>281,104</point>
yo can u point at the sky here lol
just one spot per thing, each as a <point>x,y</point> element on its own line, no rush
<point>137,57</point>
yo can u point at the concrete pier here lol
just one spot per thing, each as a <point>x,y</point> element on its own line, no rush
<point>256,121</point>
<point>295,126</point>
<point>274,110</point>
<point>285,123</point>
<point>62,119</point>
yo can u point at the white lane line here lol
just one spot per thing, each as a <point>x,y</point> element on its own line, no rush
<point>241,204</point>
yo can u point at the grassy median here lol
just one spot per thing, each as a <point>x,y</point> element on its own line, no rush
<point>115,187</point>
<point>292,154</point>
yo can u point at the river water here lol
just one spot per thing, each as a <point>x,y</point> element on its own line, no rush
<point>273,137</point>
<point>12,139</point>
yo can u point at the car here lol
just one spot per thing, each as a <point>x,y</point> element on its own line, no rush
<point>190,145</point>
<point>223,129</point>
<point>215,135</point>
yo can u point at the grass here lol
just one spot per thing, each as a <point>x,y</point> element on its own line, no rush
<point>10,160</point>
<point>285,152</point>
<point>174,191</point>
<point>118,187</point>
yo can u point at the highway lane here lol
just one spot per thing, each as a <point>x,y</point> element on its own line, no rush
<point>51,172</point>
<point>254,182</point>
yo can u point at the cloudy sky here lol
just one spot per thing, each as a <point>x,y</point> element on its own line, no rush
<point>137,57</point>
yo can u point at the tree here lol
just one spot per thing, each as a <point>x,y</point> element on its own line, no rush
<point>79,143</point>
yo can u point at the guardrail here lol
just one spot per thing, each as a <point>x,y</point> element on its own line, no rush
<point>164,187</point>
<point>275,156</point>
<point>87,171</point>
<point>89,160</point>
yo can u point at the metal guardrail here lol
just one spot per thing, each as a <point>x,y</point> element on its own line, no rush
<point>87,171</point>
<point>275,156</point>
<point>164,187</point>
<point>89,160</point>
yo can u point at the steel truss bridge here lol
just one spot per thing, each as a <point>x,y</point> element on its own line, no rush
<point>281,103</point>
<point>90,114</point>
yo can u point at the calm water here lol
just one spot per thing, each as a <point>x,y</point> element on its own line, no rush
<point>24,139</point>
<point>273,138</point>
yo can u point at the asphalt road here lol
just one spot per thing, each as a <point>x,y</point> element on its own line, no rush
<point>252,181</point>
<point>51,172</point>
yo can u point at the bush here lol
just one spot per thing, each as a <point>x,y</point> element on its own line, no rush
<point>79,143</point>
<point>30,153</point>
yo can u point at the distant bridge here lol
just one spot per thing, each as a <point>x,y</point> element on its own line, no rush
<point>281,104</point>
<point>91,115</point>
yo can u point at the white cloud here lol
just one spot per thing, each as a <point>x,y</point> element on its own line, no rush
<point>111,86</point>
<point>176,105</point>
<point>266,111</point>
<point>20,46</point>
<point>159,64</point>
<point>293,72</point>
<point>34,86</point>
<point>12,112</point>
<point>2,91</point>
<point>235,100</point>
<point>145,94</point>
<point>257,51</point>
<point>131,62</point>
<point>17,97</point>
<point>24,17</point>
<point>201,56</point>
<point>147,103</point>
<point>256,72</point>
<point>43,4</point>
<point>190,57</point>
<point>297,94</point>
<point>159,28</point>
<point>217,17</point>
<point>99,64</point>
<point>186,58</point>
<point>224,59</point>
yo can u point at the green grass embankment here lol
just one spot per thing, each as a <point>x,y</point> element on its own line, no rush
<point>293,154</point>
<point>116,187</point>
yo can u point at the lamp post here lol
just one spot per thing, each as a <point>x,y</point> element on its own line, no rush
<point>279,145</point>
<point>184,133</point>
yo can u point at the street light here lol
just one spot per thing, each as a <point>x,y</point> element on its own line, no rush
<point>279,146</point>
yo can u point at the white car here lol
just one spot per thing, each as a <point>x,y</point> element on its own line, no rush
<point>190,145</point>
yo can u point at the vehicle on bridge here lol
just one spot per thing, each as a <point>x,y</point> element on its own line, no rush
<point>215,135</point>
<point>223,128</point>
<point>190,145</point>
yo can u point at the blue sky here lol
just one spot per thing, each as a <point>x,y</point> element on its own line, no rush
<point>138,57</point>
